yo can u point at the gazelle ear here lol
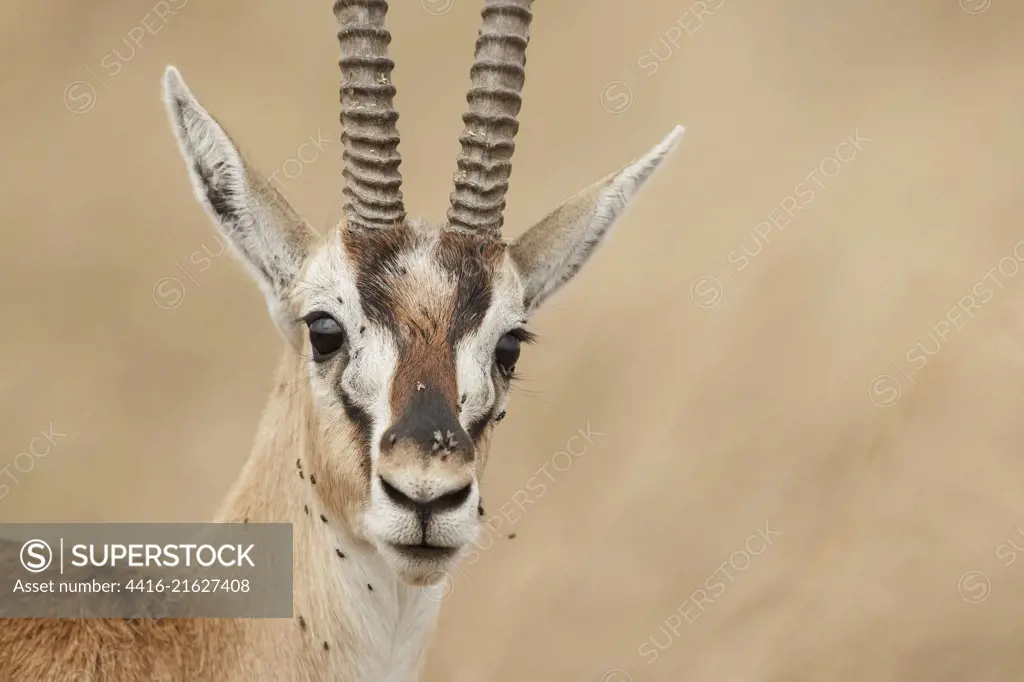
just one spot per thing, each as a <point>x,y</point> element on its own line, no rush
<point>553,250</point>
<point>259,224</point>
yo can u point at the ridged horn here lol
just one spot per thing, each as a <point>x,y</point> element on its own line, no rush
<point>370,139</point>
<point>494,98</point>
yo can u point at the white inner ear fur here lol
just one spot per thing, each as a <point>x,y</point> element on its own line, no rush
<point>202,141</point>
<point>262,231</point>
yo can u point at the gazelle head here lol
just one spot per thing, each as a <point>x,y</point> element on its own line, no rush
<point>412,330</point>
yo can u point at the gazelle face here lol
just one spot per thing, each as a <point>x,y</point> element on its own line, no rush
<point>411,333</point>
<point>413,336</point>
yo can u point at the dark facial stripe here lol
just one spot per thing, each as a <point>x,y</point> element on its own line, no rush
<point>375,254</point>
<point>471,261</point>
<point>468,259</point>
<point>479,425</point>
<point>426,331</point>
<point>363,424</point>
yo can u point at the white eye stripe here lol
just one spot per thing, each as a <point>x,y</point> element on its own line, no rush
<point>475,353</point>
<point>330,284</point>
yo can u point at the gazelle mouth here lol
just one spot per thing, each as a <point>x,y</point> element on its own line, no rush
<point>423,551</point>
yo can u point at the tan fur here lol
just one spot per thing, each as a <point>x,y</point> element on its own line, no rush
<point>440,298</point>
<point>235,650</point>
<point>343,629</point>
<point>426,360</point>
<point>455,470</point>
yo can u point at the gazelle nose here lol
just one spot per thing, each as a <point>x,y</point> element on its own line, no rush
<point>429,425</point>
<point>430,439</point>
<point>426,506</point>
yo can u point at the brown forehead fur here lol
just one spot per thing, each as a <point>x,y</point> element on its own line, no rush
<point>426,327</point>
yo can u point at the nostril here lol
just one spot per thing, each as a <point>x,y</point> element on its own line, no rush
<point>388,440</point>
<point>451,500</point>
<point>396,495</point>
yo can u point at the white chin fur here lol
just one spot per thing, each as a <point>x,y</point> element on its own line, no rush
<point>423,571</point>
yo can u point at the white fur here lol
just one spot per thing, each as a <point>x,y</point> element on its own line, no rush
<point>394,621</point>
<point>474,355</point>
<point>373,354</point>
<point>368,377</point>
<point>255,239</point>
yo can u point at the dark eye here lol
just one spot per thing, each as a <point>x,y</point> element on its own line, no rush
<point>326,336</point>
<point>507,351</point>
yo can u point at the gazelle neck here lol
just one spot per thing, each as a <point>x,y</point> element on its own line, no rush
<point>353,617</point>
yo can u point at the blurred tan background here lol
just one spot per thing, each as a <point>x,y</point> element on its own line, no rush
<point>825,384</point>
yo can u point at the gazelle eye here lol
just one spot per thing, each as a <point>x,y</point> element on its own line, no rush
<point>507,352</point>
<point>326,337</point>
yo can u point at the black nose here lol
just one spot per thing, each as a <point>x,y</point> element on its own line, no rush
<point>431,425</point>
<point>424,508</point>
